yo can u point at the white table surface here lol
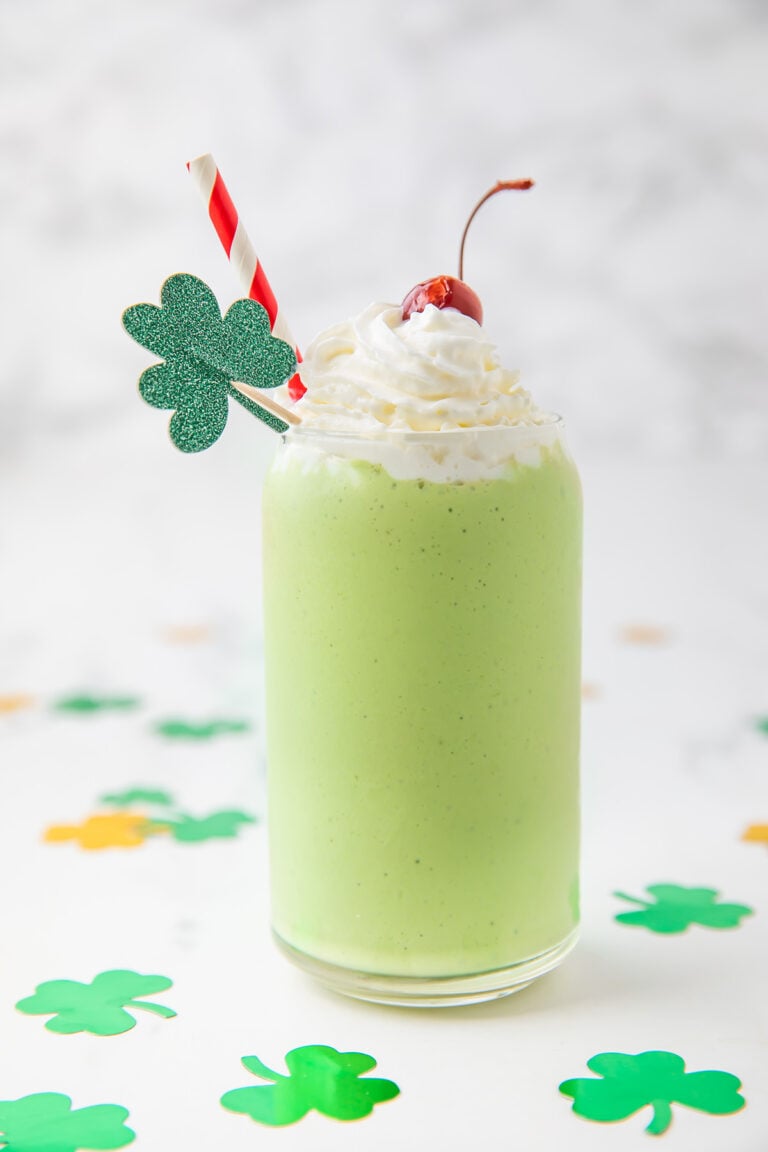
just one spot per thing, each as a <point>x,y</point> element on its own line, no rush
<point>674,768</point>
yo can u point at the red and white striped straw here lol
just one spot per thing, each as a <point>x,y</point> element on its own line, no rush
<point>240,252</point>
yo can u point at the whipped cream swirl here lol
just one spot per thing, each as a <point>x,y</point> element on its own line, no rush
<point>435,371</point>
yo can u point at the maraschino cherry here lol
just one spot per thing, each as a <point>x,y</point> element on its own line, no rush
<point>448,291</point>
<point>444,292</point>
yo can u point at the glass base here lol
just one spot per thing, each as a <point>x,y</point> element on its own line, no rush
<point>430,991</point>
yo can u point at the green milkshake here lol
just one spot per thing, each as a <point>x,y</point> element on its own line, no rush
<point>422,629</point>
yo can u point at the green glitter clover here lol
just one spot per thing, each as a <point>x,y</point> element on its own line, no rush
<point>98,1007</point>
<point>650,1079</point>
<point>320,1078</point>
<point>675,908</point>
<point>46,1122</point>
<point>203,353</point>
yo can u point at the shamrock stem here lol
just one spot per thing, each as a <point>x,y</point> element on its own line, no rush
<point>238,390</point>
<point>158,1009</point>
<point>253,1064</point>
<point>633,899</point>
<point>662,1117</point>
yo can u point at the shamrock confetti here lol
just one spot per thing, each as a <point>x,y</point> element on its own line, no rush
<point>15,703</point>
<point>320,1078</point>
<point>118,830</point>
<point>650,1079</point>
<point>130,829</point>
<point>137,796</point>
<point>762,725</point>
<point>96,703</point>
<point>648,635</point>
<point>201,730</point>
<point>98,1007</point>
<point>46,1122</point>
<point>203,354</point>
<point>187,634</point>
<point>675,908</point>
<point>757,834</point>
<point>219,825</point>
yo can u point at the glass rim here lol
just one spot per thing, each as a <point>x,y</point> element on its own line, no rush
<point>548,422</point>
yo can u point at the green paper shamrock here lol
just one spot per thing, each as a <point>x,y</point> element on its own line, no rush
<point>203,354</point>
<point>650,1079</point>
<point>200,730</point>
<point>98,1007</point>
<point>762,725</point>
<point>95,703</point>
<point>46,1122</point>
<point>320,1078</point>
<point>219,825</point>
<point>676,908</point>
<point>136,796</point>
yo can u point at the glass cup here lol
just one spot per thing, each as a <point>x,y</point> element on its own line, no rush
<point>422,616</point>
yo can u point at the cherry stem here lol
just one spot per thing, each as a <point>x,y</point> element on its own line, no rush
<point>499,186</point>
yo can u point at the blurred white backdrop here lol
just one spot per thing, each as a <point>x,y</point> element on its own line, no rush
<point>355,138</point>
<point>628,286</point>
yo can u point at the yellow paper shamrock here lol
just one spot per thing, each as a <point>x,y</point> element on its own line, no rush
<point>15,703</point>
<point>117,830</point>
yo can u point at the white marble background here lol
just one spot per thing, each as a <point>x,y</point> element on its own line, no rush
<point>355,136</point>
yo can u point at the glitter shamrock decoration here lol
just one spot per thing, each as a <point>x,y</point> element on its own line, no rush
<point>674,908</point>
<point>650,1080</point>
<point>203,354</point>
<point>320,1078</point>
<point>99,1007</point>
<point>46,1122</point>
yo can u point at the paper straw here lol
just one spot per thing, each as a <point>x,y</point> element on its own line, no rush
<point>240,251</point>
